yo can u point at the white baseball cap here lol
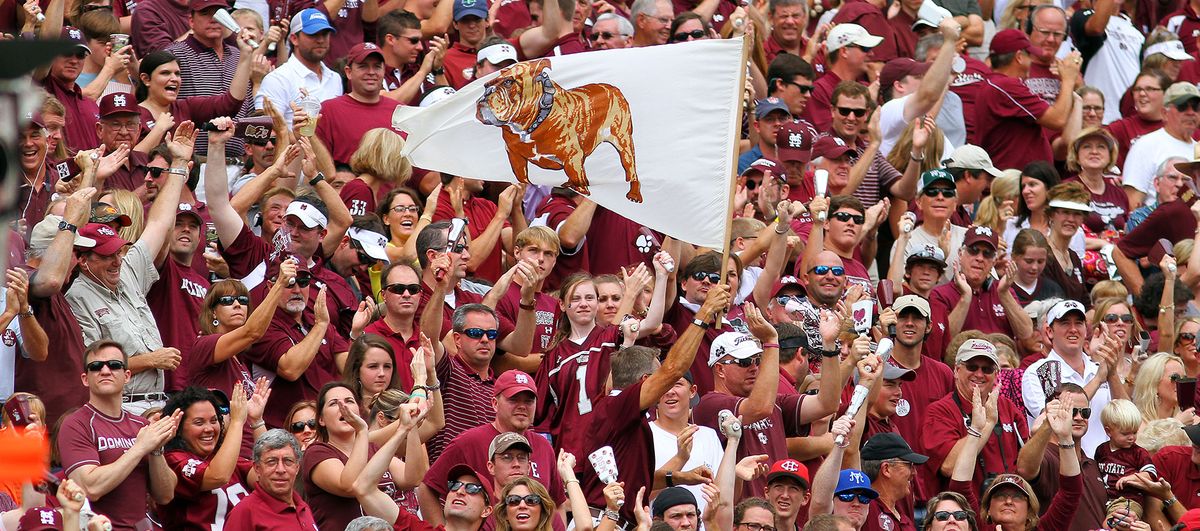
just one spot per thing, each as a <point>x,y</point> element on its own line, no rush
<point>1171,49</point>
<point>373,243</point>
<point>737,344</point>
<point>844,35</point>
<point>497,53</point>
<point>1060,310</point>
<point>307,214</point>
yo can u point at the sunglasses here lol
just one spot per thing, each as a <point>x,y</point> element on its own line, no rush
<point>987,368</point>
<point>1083,412</point>
<point>530,499</point>
<point>687,35</point>
<point>843,217</point>
<point>700,276</point>
<point>847,111</point>
<point>743,363</point>
<point>363,257</point>
<point>824,270</point>
<point>863,497</point>
<point>601,35</point>
<point>1187,336</point>
<point>401,289</point>
<point>456,248</point>
<point>228,300</point>
<point>298,427</point>
<point>943,516</point>
<point>258,142</point>
<point>804,89</point>
<point>1190,105</point>
<point>976,250</point>
<point>113,365</point>
<point>478,333</point>
<point>303,279</point>
<point>412,40</point>
<point>945,192</point>
<point>1124,318</point>
<point>472,488</point>
<point>154,171</point>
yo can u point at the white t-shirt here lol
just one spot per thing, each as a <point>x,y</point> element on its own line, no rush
<point>1115,65</point>
<point>706,451</point>
<point>892,125</point>
<point>10,346</point>
<point>1146,154</point>
<point>920,238</point>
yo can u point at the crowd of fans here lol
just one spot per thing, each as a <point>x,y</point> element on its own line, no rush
<point>963,288</point>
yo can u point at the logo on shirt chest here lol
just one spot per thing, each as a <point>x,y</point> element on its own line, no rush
<point>10,338</point>
<point>192,288</point>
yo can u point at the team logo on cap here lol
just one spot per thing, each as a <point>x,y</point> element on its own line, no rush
<point>75,34</point>
<point>986,231</point>
<point>258,132</point>
<point>185,207</point>
<point>46,516</point>
<point>468,3</point>
<point>790,465</point>
<point>720,351</point>
<point>105,231</point>
<point>370,46</point>
<point>119,100</point>
<point>839,141</point>
<point>522,379</point>
<point>795,140</point>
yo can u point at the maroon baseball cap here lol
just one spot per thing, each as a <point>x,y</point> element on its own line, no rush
<point>107,242</point>
<point>361,51</point>
<point>897,68</point>
<point>118,103</point>
<point>831,147</point>
<point>463,469</point>
<point>1191,520</point>
<point>794,142</point>
<point>977,234</point>
<point>75,35</point>
<point>40,518</point>
<point>201,5</point>
<point>789,468</point>
<point>35,120</point>
<point>514,381</point>
<point>1011,40</point>
<point>766,164</point>
<point>186,209</point>
<point>786,281</point>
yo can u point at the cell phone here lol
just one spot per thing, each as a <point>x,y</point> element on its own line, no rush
<point>1144,341</point>
<point>458,226</point>
<point>210,234</point>
<point>1185,393</point>
<point>18,411</point>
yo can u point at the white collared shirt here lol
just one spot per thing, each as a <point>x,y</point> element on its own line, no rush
<point>284,83</point>
<point>1035,399</point>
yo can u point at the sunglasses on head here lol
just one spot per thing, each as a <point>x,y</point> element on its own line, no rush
<point>478,333</point>
<point>530,499</point>
<point>847,111</point>
<point>844,216</point>
<point>945,192</point>
<point>744,363</point>
<point>848,497</point>
<point>303,279</point>
<point>299,426</point>
<point>987,368</point>
<point>113,365</point>
<point>401,289</point>
<point>228,300</point>
<point>1124,318</point>
<point>1083,412</point>
<point>701,276</point>
<point>687,35</point>
<point>472,488</point>
<point>943,516</point>
<point>824,270</point>
<point>987,252</point>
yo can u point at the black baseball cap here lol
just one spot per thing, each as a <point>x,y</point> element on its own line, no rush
<point>886,446</point>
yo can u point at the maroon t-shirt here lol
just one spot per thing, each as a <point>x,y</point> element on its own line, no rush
<point>341,298</point>
<point>545,314</point>
<point>1174,464</point>
<point>176,300</point>
<point>32,203</point>
<point>54,380</point>
<point>330,510</point>
<point>967,85</point>
<point>82,113</point>
<point>820,105</point>
<point>245,254</point>
<point>1110,206</point>
<point>568,44</point>
<point>1184,21</point>
<point>352,119</point>
<point>1173,221</point>
<point>906,38</point>
<point>620,422</point>
<point>194,509</point>
<point>934,381</point>
<point>947,423</point>
<point>470,448</point>
<point>201,371</point>
<point>1116,463</point>
<point>1128,129</point>
<point>1006,115</point>
<point>613,243</point>
<point>765,437</point>
<point>260,512</point>
<point>360,199</point>
<point>89,437</point>
<point>570,381</point>
<point>512,15</point>
<point>459,64</point>
<point>402,349</point>
<point>479,212</point>
<point>554,211</point>
<point>282,334</point>
<point>680,318</point>
<point>986,314</point>
<point>865,14</point>
<point>1043,82</point>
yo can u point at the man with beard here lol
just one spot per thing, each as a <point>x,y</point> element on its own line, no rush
<point>514,403</point>
<point>305,69</point>
<point>300,351</point>
<point>350,116</point>
<point>178,295</point>
<point>891,464</point>
<point>1067,333</point>
<point>59,81</point>
<point>118,129</point>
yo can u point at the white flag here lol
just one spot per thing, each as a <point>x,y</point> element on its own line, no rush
<point>646,132</point>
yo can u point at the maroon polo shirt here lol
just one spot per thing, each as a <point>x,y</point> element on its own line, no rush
<point>555,210</point>
<point>1092,501</point>
<point>820,105</point>
<point>570,381</point>
<point>470,448</point>
<point>402,349</point>
<point>906,38</point>
<point>32,203</point>
<point>176,300</point>
<point>198,109</point>
<point>1006,115</point>
<point>947,423</point>
<point>934,381</point>
<point>246,253</point>
<point>620,422</point>
<point>774,48</point>
<point>82,113</point>
<point>53,380</point>
<point>868,16</point>
<point>967,85</point>
<point>260,512</point>
<point>343,135</point>
<point>1173,221</point>
<point>157,23</point>
<point>196,508</point>
<point>986,314</point>
<point>282,334</point>
<point>131,175</point>
<point>880,518</point>
<point>479,213</point>
<point>467,399</point>
<point>1128,129</point>
<point>1174,464</point>
<point>765,437</point>
<point>459,64</point>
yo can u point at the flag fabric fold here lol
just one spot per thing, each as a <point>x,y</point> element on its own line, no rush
<point>648,133</point>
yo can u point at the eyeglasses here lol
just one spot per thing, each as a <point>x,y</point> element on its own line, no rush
<point>1083,412</point>
<point>863,497</point>
<point>302,279</point>
<point>113,365</point>
<point>401,289</point>
<point>228,300</point>
<point>661,20</point>
<point>944,192</point>
<point>1147,89</point>
<point>804,89</point>
<point>987,252</point>
<point>701,276</point>
<point>298,427</point>
<point>472,488</point>
<point>847,111</point>
<point>478,333</point>
<point>1093,109</point>
<point>782,301</point>
<point>122,126</point>
<point>744,363</point>
<point>1124,318</point>
<point>757,527</point>
<point>987,368</point>
<point>825,270</point>
<point>943,516</point>
<point>1056,34</point>
<point>843,217</point>
<point>530,499</point>
<point>688,35</point>
<point>401,209</point>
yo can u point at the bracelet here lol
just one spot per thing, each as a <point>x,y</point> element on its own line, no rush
<point>570,481</point>
<point>433,386</point>
<point>1166,309</point>
<point>437,71</point>
<point>829,353</point>
<point>670,480</point>
<point>701,324</point>
<point>316,179</point>
<point>261,423</point>
<point>27,313</point>
<point>157,452</point>
<point>177,171</point>
<point>612,515</point>
<point>914,157</point>
<point>770,345</point>
<point>1066,446</point>
<point>973,432</point>
<point>781,232</point>
<point>1170,502</point>
<point>531,306</point>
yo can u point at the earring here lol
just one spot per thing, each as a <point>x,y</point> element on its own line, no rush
<point>216,322</point>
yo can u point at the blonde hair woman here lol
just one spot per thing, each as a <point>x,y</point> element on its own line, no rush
<point>1000,204</point>
<point>1154,389</point>
<point>379,166</point>
<point>1092,155</point>
<point>130,204</point>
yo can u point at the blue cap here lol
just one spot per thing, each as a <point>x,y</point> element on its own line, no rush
<point>311,21</point>
<point>766,106</point>
<point>854,480</point>
<point>463,8</point>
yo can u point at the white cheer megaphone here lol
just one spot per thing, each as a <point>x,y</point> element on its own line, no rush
<point>820,184</point>
<point>931,14</point>
<point>225,19</point>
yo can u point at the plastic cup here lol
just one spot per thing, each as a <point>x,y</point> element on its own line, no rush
<point>313,108</point>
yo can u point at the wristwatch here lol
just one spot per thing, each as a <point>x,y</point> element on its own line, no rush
<point>612,515</point>
<point>670,480</point>
<point>316,179</point>
<point>177,171</point>
<point>63,225</point>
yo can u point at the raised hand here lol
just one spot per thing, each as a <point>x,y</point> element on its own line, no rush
<point>351,416</point>
<point>238,403</point>
<point>153,436</point>
<point>321,308</point>
<point>761,329</point>
<point>225,128</point>
<point>411,414</point>
<point>614,495</point>
<point>841,429</point>
<point>363,316</point>
<point>183,142</point>
<point>683,443</point>
<point>752,466</point>
<point>17,296</point>
<point>257,402</point>
<point>830,323</point>
<point>717,301</point>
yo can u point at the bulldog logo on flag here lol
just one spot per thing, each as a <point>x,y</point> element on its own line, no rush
<point>556,128</point>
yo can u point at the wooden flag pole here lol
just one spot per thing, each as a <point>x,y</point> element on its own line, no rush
<point>735,136</point>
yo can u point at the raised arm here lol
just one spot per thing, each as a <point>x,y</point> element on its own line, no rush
<point>520,341</point>
<point>431,315</point>
<point>683,352</point>
<point>829,394</point>
<point>240,338</point>
<point>826,479</point>
<point>99,480</point>
<point>537,41</point>
<point>937,78</point>
<point>658,301</point>
<point>58,259</point>
<point>161,219</point>
<point>1068,72</point>
<point>339,478</point>
<point>296,360</point>
<point>482,246</point>
<point>575,228</point>
<point>224,462</point>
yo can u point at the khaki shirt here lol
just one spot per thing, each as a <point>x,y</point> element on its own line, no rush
<point>123,316</point>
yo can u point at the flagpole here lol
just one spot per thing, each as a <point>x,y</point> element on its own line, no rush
<point>735,139</point>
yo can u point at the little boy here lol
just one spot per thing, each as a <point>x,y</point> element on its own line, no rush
<point>1121,459</point>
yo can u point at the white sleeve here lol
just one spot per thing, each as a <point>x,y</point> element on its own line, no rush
<point>1135,174</point>
<point>1031,391</point>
